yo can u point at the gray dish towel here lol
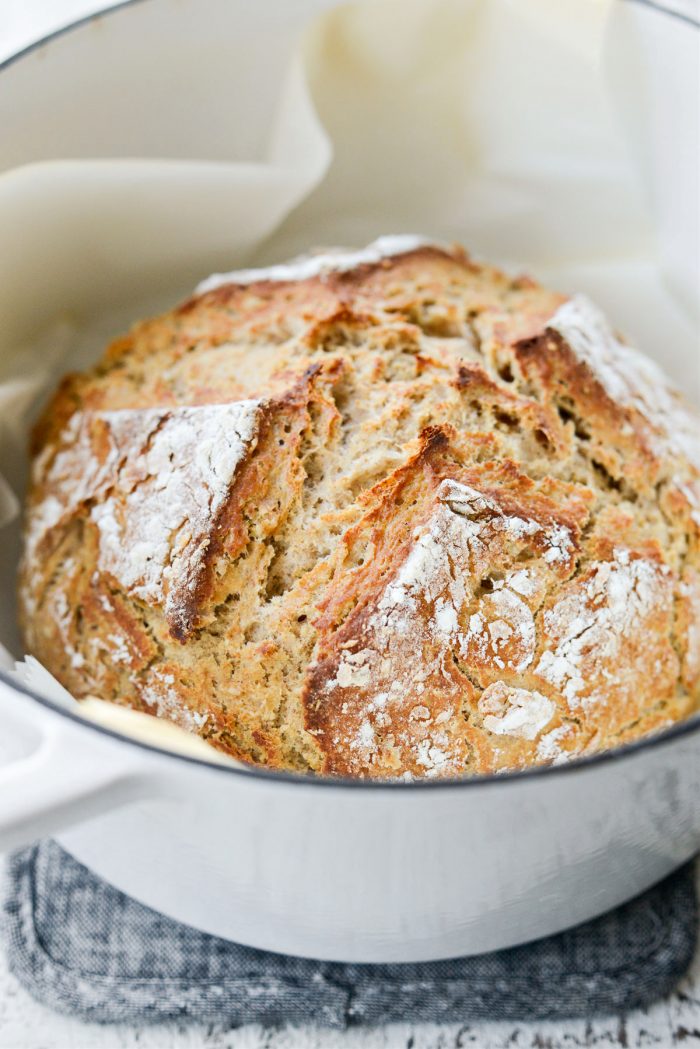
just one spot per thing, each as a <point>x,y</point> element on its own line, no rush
<point>82,947</point>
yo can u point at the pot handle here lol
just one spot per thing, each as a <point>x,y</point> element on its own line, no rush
<point>65,773</point>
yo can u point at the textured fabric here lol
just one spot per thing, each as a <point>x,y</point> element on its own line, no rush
<point>82,947</point>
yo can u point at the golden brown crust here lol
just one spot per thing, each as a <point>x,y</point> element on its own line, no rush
<point>415,518</point>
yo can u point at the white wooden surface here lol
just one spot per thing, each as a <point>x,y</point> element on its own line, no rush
<point>25,1024</point>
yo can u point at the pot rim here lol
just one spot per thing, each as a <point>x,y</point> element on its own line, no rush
<point>679,729</point>
<point>653,5</point>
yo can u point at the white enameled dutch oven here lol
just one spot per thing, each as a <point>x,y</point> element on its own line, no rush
<point>329,869</point>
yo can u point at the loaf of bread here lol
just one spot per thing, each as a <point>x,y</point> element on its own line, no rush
<point>378,514</point>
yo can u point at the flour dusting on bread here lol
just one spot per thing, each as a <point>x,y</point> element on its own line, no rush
<point>316,264</point>
<point>630,379</point>
<point>161,477</point>
<point>176,469</point>
<point>588,625</point>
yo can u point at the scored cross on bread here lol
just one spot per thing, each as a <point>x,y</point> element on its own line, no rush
<point>392,515</point>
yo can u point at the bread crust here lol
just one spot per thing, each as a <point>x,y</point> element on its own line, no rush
<point>414,518</point>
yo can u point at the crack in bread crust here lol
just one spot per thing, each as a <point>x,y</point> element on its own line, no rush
<point>411,518</point>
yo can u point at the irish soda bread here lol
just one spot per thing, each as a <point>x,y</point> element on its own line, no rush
<point>384,514</point>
